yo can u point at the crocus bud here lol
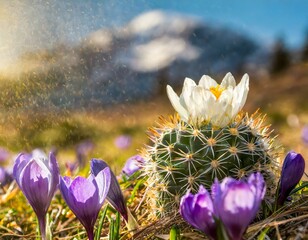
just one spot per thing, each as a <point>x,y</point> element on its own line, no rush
<point>237,203</point>
<point>292,171</point>
<point>38,177</point>
<point>115,196</point>
<point>132,165</point>
<point>198,211</point>
<point>85,197</point>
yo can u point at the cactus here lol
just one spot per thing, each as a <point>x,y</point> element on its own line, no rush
<point>187,153</point>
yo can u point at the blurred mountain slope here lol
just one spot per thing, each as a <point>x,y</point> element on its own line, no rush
<point>133,62</point>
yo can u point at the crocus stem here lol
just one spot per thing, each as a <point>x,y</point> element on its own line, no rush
<point>276,204</point>
<point>42,226</point>
<point>90,234</point>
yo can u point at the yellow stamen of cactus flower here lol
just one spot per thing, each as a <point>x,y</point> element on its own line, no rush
<point>217,91</point>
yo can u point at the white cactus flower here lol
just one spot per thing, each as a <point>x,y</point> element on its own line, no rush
<point>210,102</point>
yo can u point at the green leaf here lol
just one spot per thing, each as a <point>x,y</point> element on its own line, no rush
<point>263,235</point>
<point>175,233</point>
<point>114,229</point>
<point>117,226</point>
<point>135,190</point>
<point>111,227</point>
<point>220,230</point>
<point>304,184</point>
<point>100,224</point>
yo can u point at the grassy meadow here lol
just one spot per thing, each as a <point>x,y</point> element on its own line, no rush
<point>283,98</point>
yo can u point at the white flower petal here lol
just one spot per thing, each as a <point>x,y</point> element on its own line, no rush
<point>175,101</point>
<point>188,87</point>
<point>197,99</point>
<point>188,83</point>
<point>207,82</point>
<point>240,95</point>
<point>228,81</point>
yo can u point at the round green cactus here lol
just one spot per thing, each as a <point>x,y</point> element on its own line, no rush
<point>183,157</point>
<point>188,152</point>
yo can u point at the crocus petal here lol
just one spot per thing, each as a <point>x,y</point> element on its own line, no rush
<point>5,177</point>
<point>38,178</point>
<point>198,211</point>
<point>292,171</point>
<point>55,178</point>
<point>186,209</point>
<point>236,208</point>
<point>103,180</point>
<point>21,161</point>
<point>204,212</point>
<point>81,195</point>
<point>305,134</point>
<point>237,203</point>
<point>35,186</point>
<point>132,165</point>
<point>257,185</point>
<point>114,196</point>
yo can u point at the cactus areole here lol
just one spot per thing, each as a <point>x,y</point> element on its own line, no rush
<point>189,150</point>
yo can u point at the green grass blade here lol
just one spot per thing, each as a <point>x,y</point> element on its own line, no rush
<point>117,226</point>
<point>263,235</point>
<point>111,229</point>
<point>303,185</point>
<point>100,224</point>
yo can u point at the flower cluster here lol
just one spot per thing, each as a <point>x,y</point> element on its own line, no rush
<point>210,102</point>
<point>233,202</point>
<point>38,177</point>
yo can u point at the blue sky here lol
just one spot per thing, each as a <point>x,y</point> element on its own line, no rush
<point>28,24</point>
<point>264,19</point>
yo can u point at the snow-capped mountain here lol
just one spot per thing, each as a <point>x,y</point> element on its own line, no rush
<point>138,60</point>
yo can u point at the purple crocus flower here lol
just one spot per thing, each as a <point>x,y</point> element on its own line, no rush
<point>85,197</point>
<point>292,171</point>
<point>83,149</point>
<point>115,196</point>
<point>132,165</point>
<point>234,203</point>
<point>305,134</point>
<point>123,141</point>
<point>237,202</point>
<point>198,211</point>
<point>71,167</point>
<point>4,155</point>
<point>5,177</point>
<point>38,177</point>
